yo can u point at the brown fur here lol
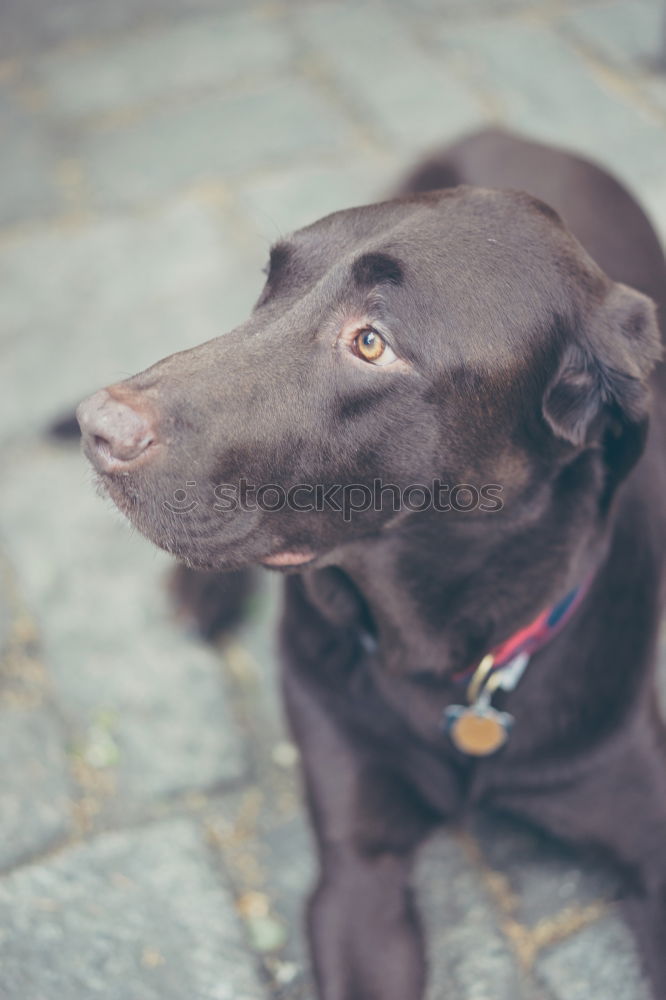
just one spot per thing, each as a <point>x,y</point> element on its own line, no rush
<point>530,349</point>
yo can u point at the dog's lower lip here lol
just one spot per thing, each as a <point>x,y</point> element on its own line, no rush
<point>297,557</point>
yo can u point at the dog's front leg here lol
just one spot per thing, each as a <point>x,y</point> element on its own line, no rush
<point>364,931</point>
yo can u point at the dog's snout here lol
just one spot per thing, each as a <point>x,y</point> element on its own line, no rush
<point>115,432</point>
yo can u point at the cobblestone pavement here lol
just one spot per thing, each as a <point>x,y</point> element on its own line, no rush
<point>152,840</point>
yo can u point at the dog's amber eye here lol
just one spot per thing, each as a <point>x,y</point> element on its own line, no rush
<point>371,346</point>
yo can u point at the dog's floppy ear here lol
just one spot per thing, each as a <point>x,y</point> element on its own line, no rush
<point>606,369</point>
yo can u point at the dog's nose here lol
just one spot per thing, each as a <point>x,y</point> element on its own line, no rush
<point>115,433</point>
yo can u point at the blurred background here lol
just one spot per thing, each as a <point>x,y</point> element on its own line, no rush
<point>152,842</point>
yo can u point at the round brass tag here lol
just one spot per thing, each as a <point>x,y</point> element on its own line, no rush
<point>478,734</point>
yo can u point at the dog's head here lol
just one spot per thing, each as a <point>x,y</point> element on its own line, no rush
<point>458,337</point>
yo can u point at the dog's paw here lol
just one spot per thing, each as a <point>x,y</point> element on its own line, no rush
<point>210,603</point>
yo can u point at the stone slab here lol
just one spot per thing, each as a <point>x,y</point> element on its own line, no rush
<point>145,706</point>
<point>140,914</point>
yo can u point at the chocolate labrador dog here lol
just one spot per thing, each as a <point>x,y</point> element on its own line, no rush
<point>435,424</point>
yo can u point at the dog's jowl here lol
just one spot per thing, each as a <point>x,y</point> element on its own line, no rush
<point>444,423</point>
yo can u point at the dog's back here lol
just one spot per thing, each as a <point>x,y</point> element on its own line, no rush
<point>596,208</point>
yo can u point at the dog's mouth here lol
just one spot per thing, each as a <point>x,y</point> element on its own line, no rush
<point>289,559</point>
<point>195,537</point>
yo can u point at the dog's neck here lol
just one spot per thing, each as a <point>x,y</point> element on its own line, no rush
<point>437,605</point>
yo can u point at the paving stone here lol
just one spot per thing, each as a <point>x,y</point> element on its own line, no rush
<point>277,837</point>
<point>268,851</point>
<point>6,613</point>
<point>518,63</point>
<point>84,307</point>
<point>463,9</point>
<point>29,25</point>
<point>34,803</point>
<point>627,33</point>
<point>28,160</point>
<point>172,60</point>
<point>282,202</point>
<point>145,705</point>
<point>407,96</point>
<point>292,868</point>
<point>599,961</point>
<point>655,88</point>
<point>544,875</point>
<point>140,914</point>
<point>653,197</point>
<point>214,137</point>
<point>468,956</point>
<point>253,650</point>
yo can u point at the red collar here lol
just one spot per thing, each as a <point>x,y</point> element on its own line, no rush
<point>477,729</point>
<point>528,640</point>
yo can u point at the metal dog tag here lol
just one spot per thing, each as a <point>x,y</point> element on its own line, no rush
<point>478,730</point>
